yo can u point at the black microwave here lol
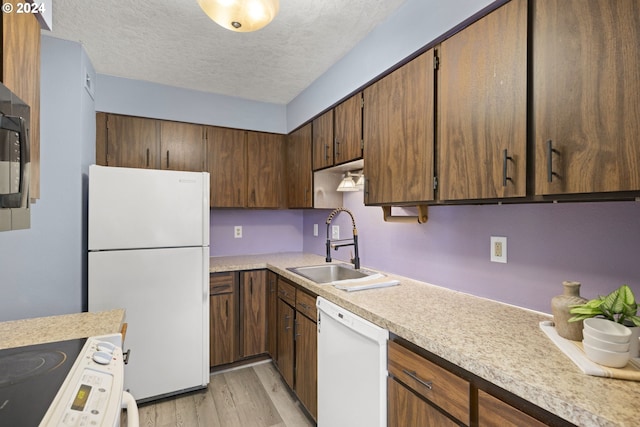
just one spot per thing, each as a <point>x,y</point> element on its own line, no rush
<point>15,163</point>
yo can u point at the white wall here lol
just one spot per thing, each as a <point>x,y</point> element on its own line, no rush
<point>42,266</point>
<point>144,99</point>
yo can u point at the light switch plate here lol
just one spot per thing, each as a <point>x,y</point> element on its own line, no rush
<point>315,230</point>
<point>499,249</point>
<point>335,232</point>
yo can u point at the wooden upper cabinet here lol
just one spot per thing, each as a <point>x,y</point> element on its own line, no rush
<point>337,134</point>
<point>482,107</point>
<point>323,141</point>
<point>265,170</point>
<point>227,150</point>
<point>181,146</point>
<point>299,172</point>
<point>586,93</point>
<point>132,142</point>
<point>101,139</point>
<point>398,129</point>
<point>347,136</point>
<point>21,75</point>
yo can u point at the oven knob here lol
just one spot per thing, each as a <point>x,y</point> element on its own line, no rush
<point>107,347</point>
<point>101,357</point>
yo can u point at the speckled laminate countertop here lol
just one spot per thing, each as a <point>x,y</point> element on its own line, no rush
<point>500,343</point>
<point>18,333</point>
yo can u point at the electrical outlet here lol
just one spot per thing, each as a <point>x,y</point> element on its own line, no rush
<point>315,230</point>
<point>237,232</point>
<point>335,232</point>
<point>499,249</point>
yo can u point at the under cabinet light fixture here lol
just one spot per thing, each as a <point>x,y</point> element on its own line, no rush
<point>241,15</point>
<point>348,182</point>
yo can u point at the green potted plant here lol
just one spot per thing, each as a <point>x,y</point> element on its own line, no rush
<point>619,306</point>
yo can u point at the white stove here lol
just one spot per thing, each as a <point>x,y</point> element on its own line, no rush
<point>40,379</point>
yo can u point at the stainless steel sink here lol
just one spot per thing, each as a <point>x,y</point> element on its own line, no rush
<point>328,273</point>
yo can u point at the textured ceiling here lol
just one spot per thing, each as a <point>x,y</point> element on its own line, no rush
<point>173,42</point>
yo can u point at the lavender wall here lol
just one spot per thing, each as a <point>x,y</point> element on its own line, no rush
<point>263,231</point>
<point>596,244</point>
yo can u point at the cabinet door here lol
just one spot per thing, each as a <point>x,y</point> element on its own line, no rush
<point>348,130</point>
<point>323,141</point>
<point>223,343</point>
<point>493,412</point>
<point>482,111</point>
<point>101,139</point>
<point>586,92</point>
<point>227,167</point>
<point>181,146</point>
<point>132,142</point>
<point>299,173</point>
<point>272,314</point>
<point>285,341</point>
<point>306,349</point>
<point>265,170</point>
<point>21,75</point>
<point>253,299</point>
<point>222,329</point>
<point>398,134</point>
<point>408,410</point>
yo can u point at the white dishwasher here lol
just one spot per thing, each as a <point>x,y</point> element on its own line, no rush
<point>352,369</point>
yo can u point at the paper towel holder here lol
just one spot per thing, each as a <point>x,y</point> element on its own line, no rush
<point>421,218</point>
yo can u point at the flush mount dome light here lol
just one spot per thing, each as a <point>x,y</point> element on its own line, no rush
<point>241,15</point>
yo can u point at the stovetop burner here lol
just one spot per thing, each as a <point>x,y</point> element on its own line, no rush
<point>15,368</point>
<point>30,377</point>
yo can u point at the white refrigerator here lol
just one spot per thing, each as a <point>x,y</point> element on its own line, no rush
<point>149,254</point>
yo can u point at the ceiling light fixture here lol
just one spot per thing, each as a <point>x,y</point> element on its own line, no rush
<point>241,15</point>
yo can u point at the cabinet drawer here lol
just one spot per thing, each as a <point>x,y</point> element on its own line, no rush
<point>493,412</point>
<point>436,384</point>
<point>306,304</point>
<point>287,292</point>
<point>221,283</point>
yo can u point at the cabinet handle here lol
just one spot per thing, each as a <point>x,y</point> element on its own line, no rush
<point>167,159</point>
<point>550,151</point>
<point>251,285</point>
<point>366,188</point>
<point>305,306</point>
<point>147,157</point>
<point>412,374</point>
<point>226,303</point>
<point>286,322</point>
<point>326,152</point>
<point>295,330</point>
<point>336,145</point>
<point>505,158</point>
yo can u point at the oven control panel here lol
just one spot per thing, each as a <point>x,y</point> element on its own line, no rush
<point>91,395</point>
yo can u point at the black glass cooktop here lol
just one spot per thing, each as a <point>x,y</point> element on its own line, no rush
<point>30,377</point>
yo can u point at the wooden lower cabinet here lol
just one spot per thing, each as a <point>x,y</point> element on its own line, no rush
<point>408,410</point>
<point>222,318</point>
<point>493,412</point>
<point>306,367</point>
<point>297,352</point>
<point>253,313</point>
<point>285,360</point>
<point>272,314</point>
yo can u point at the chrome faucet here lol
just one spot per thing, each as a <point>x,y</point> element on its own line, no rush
<point>356,259</point>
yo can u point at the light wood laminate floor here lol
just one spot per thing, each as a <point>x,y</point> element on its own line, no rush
<point>253,396</point>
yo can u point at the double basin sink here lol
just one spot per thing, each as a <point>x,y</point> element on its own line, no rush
<point>332,273</point>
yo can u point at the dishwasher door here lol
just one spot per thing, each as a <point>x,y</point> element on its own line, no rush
<point>352,369</point>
